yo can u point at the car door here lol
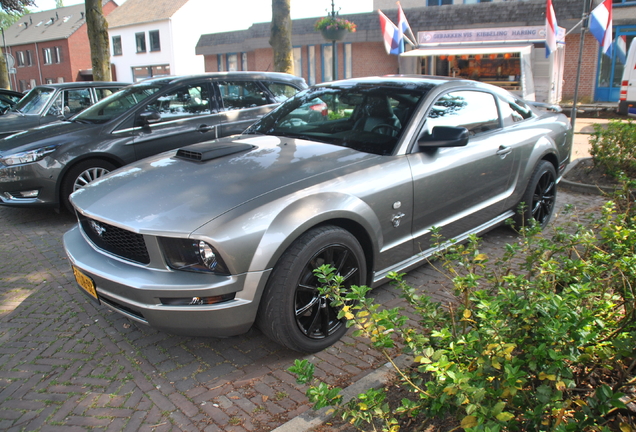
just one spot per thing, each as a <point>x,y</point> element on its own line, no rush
<point>459,188</point>
<point>67,103</point>
<point>176,118</point>
<point>242,102</point>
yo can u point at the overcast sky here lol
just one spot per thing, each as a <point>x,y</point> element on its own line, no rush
<point>252,11</point>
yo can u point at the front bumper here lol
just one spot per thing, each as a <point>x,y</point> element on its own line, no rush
<point>28,185</point>
<point>136,292</point>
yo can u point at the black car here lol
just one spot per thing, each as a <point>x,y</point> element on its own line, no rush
<point>8,99</point>
<point>52,102</point>
<point>43,166</point>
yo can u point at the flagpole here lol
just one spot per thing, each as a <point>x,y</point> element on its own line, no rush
<point>578,67</point>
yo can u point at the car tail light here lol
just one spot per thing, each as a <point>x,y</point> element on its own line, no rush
<point>321,107</point>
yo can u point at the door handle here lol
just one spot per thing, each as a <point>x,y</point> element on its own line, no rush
<point>503,150</point>
<point>205,128</point>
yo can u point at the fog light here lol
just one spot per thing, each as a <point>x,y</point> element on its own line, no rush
<point>197,301</point>
<point>29,194</point>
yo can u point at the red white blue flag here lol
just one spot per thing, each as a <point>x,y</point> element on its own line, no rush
<point>403,25</point>
<point>550,30</point>
<point>601,25</point>
<point>393,38</point>
<point>621,49</point>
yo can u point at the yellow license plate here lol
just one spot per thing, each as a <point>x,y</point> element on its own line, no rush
<point>85,282</point>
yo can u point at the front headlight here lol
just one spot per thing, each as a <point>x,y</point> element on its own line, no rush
<point>27,156</point>
<point>192,255</point>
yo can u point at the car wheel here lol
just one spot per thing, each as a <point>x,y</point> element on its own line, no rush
<point>82,174</point>
<point>539,197</point>
<point>292,311</point>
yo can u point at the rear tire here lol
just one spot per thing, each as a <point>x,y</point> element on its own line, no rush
<point>539,197</point>
<point>292,312</point>
<point>80,175</point>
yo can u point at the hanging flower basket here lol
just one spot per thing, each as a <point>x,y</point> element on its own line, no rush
<point>334,29</point>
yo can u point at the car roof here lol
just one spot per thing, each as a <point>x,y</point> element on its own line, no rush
<point>76,84</point>
<point>266,76</point>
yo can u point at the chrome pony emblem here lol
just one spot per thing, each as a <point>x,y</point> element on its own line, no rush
<point>99,230</point>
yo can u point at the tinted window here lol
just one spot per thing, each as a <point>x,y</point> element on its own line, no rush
<point>238,94</point>
<point>183,102</point>
<point>117,104</point>
<point>476,111</point>
<point>281,92</point>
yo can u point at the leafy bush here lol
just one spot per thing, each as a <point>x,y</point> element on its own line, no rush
<point>614,148</point>
<point>541,339</point>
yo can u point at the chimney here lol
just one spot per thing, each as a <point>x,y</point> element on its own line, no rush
<point>56,17</point>
<point>82,15</point>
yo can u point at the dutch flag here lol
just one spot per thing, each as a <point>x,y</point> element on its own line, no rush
<point>550,30</point>
<point>601,25</point>
<point>621,49</point>
<point>393,38</point>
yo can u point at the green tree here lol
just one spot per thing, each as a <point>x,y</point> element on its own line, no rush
<point>9,14</point>
<point>98,39</point>
<point>15,6</point>
<point>280,36</point>
<point>59,3</point>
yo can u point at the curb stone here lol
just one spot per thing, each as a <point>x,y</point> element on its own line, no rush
<point>376,379</point>
<point>582,187</point>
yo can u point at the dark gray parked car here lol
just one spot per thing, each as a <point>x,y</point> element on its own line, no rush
<point>52,102</point>
<point>44,165</point>
<point>213,237</point>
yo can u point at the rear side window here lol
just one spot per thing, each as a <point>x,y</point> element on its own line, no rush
<point>474,110</point>
<point>105,92</point>
<point>281,91</point>
<point>514,111</point>
<point>187,101</point>
<point>241,94</point>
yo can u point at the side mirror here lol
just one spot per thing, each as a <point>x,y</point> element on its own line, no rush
<point>149,117</point>
<point>444,136</point>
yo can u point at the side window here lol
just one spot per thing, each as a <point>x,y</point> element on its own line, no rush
<point>239,95</point>
<point>281,91</point>
<point>187,101</point>
<point>104,92</point>
<point>513,111</point>
<point>474,110</point>
<point>70,102</point>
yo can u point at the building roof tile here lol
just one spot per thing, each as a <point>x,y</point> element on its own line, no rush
<point>143,11</point>
<point>48,25</point>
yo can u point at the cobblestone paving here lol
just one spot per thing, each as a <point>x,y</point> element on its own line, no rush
<point>68,364</point>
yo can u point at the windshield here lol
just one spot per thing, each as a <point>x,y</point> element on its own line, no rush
<point>368,119</point>
<point>116,104</point>
<point>35,101</point>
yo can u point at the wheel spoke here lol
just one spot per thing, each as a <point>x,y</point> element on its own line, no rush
<point>301,311</point>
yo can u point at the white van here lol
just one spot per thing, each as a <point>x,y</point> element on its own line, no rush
<point>627,98</point>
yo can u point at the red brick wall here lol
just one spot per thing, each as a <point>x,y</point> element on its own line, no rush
<point>370,59</point>
<point>589,62</point>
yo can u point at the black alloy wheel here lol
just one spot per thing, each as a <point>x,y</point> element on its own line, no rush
<point>540,196</point>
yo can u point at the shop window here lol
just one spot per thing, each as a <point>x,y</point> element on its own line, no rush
<point>297,58</point>
<point>327,65</point>
<point>117,51</point>
<point>474,110</point>
<point>140,42</point>
<point>155,43</point>
<point>244,61</point>
<point>438,2</point>
<point>476,1</point>
<point>311,65</point>
<point>220,64</point>
<point>348,59</point>
<point>232,62</point>
<point>239,95</point>
<point>19,56</point>
<point>143,72</point>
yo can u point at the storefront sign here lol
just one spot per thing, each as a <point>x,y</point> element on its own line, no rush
<point>501,34</point>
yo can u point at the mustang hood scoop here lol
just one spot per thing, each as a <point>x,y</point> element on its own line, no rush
<point>210,150</point>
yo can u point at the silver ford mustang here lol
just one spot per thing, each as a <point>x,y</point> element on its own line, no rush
<point>214,237</point>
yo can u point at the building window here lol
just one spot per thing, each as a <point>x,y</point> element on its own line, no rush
<point>117,46</point>
<point>19,55</point>
<point>57,54</point>
<point>155,44</point>
<point>438,2</point>
<point>47,55</point>
<point>140,42</point>
<point>29,58</point>
<point>220,63</point>
<point>297,58</point>
<point>327,65</point>
<point>475,1</point>
<point>348,58</point>
<point>311,65</point>
<point>244,61</point>
<point>143,72</point>
<point>232,62</point>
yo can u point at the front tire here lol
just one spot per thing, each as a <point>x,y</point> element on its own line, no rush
<point>80,175</point>
<point>539,197</point>
<point>292,312</point>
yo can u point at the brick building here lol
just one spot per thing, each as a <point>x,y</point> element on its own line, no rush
<point>50,46</point>
<point>362,53</point>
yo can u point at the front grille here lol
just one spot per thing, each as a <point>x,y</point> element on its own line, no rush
<point>120,242</point>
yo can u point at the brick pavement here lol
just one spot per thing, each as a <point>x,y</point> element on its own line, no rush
<point>68,364</point>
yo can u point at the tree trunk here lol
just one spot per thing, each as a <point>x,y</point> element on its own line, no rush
<point>280,36</point>
<point>4,72</point>
<point>98,38</point>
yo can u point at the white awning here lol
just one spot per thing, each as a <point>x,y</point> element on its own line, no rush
<point>467,50</point>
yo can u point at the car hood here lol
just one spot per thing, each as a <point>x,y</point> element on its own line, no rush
<point>165,193</point>
<point>38,137</point>
<point>16,122</point>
